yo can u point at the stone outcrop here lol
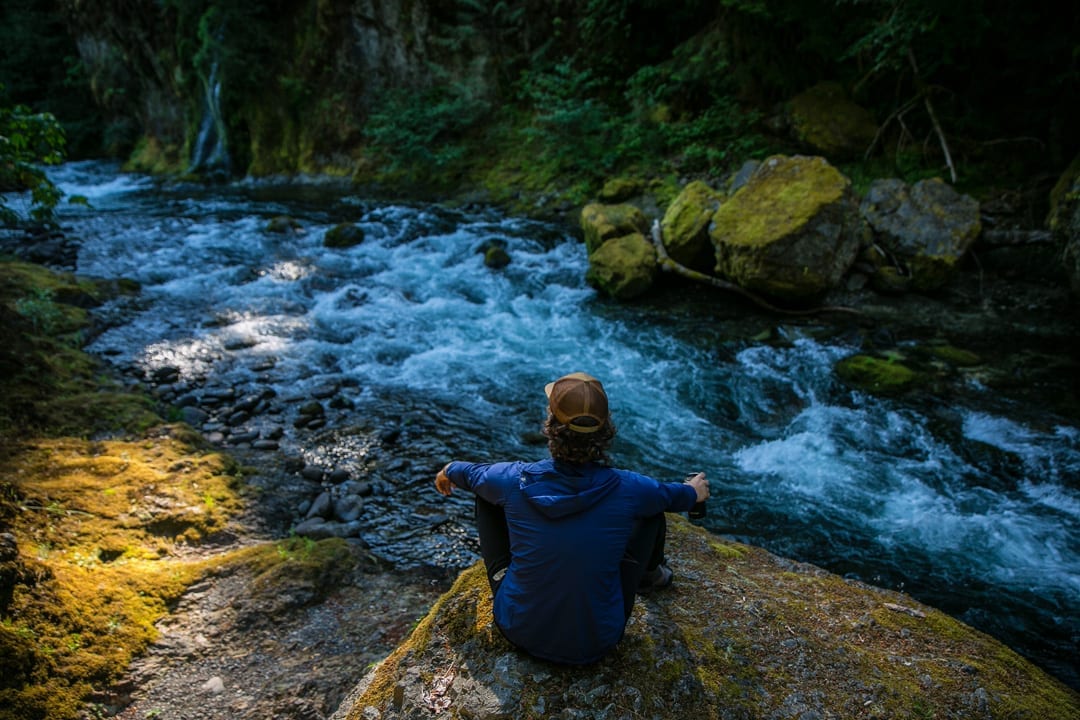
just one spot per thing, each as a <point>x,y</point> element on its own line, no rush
<point>791,231</point>
<point>926,227</point>
<point>741,634</point>
<point>827,122</point>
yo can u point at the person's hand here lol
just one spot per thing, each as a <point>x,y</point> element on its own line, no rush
<point>700,485</point>
<point>443,483</point>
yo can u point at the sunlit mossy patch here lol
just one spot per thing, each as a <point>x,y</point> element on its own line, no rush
<point>103,531</point>
<point>47,384</point>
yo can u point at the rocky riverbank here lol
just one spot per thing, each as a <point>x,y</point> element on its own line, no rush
<point>244,643</point>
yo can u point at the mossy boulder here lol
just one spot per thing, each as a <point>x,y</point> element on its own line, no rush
<point>879,376</point>
<point>686,226</point>
<point>600,223</point>
<point>343,235</point>
<point>620,189</point>
<point>624,267</point>
<point>791,231</point>
<point>1064,220</point>
<point>740,634</point>
<point>826,121</point>
<point>927,226</point>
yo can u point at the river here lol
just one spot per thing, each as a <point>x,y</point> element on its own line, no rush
<point>969,504</point>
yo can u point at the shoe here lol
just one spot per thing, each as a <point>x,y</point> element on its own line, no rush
<point>656,579</point>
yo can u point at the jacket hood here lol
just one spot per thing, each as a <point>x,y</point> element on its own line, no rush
<point>559,490</point>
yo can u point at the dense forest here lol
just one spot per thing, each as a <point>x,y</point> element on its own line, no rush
<point>540,98</point>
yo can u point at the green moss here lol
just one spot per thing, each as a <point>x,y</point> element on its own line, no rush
<point>778,201</point>
<point>601,223</point>
<point>876,375</point>
<point>98,526</point>
<point>955,356</point>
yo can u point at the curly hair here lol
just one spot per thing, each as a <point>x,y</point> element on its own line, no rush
<point>565,444</point>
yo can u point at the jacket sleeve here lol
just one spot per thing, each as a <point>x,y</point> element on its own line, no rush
<point>657,497</point>
<point>491,481</point>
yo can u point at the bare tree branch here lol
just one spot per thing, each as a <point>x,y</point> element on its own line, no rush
<point>667,264</point>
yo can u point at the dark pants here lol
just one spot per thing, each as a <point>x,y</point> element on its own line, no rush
<point>644,552</point>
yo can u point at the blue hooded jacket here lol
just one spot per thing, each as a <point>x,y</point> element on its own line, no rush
<point>561,598</point>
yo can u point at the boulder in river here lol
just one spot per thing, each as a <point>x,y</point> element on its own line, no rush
<point>792,231</point>
<point>624,268</point>
<point>601,223</point>
<point>927,227</point>
<point>686,226</point>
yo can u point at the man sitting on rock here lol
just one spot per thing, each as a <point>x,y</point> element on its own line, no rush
<point>569,541</point>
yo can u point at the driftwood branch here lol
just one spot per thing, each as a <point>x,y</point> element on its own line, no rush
<point>933,117</point>
<point>667,264</point>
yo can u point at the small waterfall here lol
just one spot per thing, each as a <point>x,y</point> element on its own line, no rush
<point>210,154</point>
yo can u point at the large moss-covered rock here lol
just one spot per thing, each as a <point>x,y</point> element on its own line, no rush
<point>1064,220</point>
<point>623,268</point>
<point>826,121</point>
<point>927,226</point>
<point>686,226</point>
<point>741,634</point>
<point>791,231</point>
<point>600,223</point>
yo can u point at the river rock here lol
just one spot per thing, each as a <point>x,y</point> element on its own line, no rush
<point>927,226</point>
<point>601,223</point>
<point>344,235</point>
<point>321,507</point>
<point>623,268</point>
<point>826,121</point>
<point>791,232</point>
<point>686,227</point>
<point>348,508</point>
<point>320,529</point>
<point>740,634</point>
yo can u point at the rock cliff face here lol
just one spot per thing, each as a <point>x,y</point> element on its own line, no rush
<point>741,634</point>
<point>295,82</point>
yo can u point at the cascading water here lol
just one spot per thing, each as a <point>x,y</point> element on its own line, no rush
<point>210,152</point>
<point>967,508</point>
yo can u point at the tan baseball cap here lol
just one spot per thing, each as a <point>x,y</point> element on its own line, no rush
<point>578,401</point>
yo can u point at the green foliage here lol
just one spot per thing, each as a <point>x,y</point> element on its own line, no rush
<point>420,130</point>
<point>41,310</point>
<point>29,140</point>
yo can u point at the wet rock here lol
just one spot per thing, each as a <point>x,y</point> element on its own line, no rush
<point>338,476</point>
<point>320,529</point>
<point>321,507</point>
<point>246,436</point>
<point>265,444</point>
<point>344,235</point>
<point>348,508</point>
<point>295,464</point>
<point>322,392</point>
<point>237,418</point>
<point>165,375</point>
<point>313,473</point>
<point>194,416</point>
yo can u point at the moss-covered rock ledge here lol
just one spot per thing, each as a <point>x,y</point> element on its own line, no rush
<point>741,634</point>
